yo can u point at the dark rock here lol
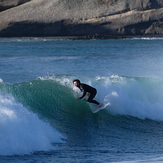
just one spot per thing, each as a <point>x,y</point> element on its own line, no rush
<point>88,19</point>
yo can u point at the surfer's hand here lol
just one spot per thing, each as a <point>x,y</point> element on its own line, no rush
<point>78,98</point>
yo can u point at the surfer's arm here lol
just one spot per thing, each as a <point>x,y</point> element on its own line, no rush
<point>83,88</point>
<point>84,93</point>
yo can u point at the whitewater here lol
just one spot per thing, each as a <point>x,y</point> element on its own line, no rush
<point>41,120</point>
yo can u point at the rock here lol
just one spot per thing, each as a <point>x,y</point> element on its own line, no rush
<point>4,5</point>
<point>83,18</point>
<point>98,36</point>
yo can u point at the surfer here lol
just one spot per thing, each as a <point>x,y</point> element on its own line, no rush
<point>86,89</point>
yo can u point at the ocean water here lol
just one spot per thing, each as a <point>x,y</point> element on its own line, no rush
<point>40,120</point>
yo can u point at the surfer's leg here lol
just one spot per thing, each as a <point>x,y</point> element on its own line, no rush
<point>90,99</point>
<point>93,101</point>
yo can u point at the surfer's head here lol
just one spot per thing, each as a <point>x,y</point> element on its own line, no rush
<point>76,82</point>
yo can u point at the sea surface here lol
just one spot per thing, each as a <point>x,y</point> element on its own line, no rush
<point>42,122</point>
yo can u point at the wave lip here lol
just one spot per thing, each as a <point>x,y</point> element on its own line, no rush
<point>22,132</point>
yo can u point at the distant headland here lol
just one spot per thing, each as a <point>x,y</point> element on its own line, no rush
<point>84,19</point>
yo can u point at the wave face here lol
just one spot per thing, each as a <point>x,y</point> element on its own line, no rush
<point>50,96</point>
<point>35,111</point>
<point>139,97</point>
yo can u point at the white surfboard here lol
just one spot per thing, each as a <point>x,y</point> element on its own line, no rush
<point>96,109</point>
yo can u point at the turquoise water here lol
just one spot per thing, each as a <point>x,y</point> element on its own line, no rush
<point>40,120</point>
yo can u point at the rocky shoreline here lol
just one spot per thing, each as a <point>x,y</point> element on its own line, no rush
<point>81,19</point>
<point>99,37</point>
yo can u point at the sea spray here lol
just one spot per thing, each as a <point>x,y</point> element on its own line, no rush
<point>138,97</point>
<point>22,132</point>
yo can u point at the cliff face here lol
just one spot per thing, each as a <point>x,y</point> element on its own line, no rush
<point>80,17</point>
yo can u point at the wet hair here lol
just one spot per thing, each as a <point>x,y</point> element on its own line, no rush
<point>76,80</point>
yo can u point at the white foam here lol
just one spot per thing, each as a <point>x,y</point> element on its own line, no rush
<point>21,131</point>
<point>1,80</point>
<point>63,80</point>
<point>148,38</point>
<point>129,96</point>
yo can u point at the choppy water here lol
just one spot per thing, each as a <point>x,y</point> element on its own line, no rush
<point>41,121</point>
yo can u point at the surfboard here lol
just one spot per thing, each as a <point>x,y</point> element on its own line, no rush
<point>95,109</point>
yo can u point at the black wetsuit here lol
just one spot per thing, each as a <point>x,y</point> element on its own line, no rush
<point>86,88</point>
